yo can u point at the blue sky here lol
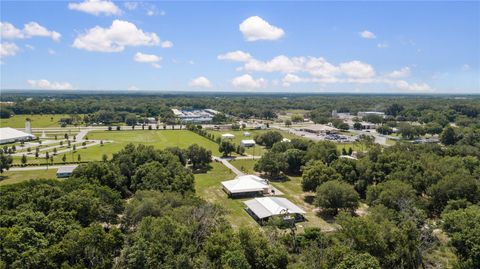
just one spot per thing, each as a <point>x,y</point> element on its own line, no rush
<point>360,47</point>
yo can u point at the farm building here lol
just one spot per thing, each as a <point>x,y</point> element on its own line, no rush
<point>246,134</point>
<point>247,143</point>
<point>247,185</point>
<point>65,171</point>
<point>263,208</point>
<point>228,136</point>
<point>10,135</point>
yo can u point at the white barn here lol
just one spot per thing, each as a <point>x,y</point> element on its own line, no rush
<point>65,171</point>
<point>264,207</point>
<point>10,135</point>
<point>247,185</point>
<point>247,143</point>
<point>228,136</point>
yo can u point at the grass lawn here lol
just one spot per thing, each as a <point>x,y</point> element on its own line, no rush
<point>12,177</point>
<point>257,150</point>
<point>292,190</point>
<point>208,187</point>
<point>38,121</point>
<point>157,138</point>
<point>244,165</point>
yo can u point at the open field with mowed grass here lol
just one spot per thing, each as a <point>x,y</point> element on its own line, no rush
<point>12,177</point>
<point>209,188</point>
<point>157,138</point>
<point>257,150</point>
<point>37,121</point>
<point>292,189</point>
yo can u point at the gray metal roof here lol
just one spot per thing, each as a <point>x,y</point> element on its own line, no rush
<point>271,206</point>
<point>66,169</point>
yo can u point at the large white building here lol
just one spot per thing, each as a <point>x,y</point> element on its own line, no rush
<point>195,116</point>
<point>247,185</point>
<point>10,135</point>
<point>264,207</point>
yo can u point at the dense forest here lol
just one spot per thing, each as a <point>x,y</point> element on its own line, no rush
<point>405,206</point>
<point>139,210</point>
<point>441,109</point>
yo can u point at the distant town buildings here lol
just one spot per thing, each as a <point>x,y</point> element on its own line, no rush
<point>319,129</point>
<point>195,116</point>
<point>368,113</point>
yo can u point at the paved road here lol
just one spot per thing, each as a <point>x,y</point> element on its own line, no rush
<point>229,166</point>
<point>31,168</point>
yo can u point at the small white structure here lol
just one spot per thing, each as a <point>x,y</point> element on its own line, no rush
<point>65,171</point>
<point>247,143</point>
<point>247,185</point>
<point>286,140</point>
<point>28,127</point>
<point>264,207</point>
<point>10,135</point>
<point>227,136</point>
<point>246,134</point>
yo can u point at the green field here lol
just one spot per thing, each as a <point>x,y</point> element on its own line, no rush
<point>246,166</point>
<point>208,187</point>
<point>38,121</point>
<point>12,177</point>
<point>257,150</point>
<point>159,139</point>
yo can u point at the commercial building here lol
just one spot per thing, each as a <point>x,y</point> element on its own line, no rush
<point>247,143</point>
<point>10,135</point>
<point>319,129</point>
<point>263,208</point>
<point>65,171</point>
<point>195,116</point>
<point>368,113</point>
<point>247,185</point>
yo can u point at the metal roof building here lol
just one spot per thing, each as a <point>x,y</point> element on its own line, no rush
<point>247,143</point>
<point>265,207</point>
<point>10,135</point>
<point>247,185</point>
<point>66,171</point>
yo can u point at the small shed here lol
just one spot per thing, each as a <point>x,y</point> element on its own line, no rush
<point>247,143</point>
<point>65,171</point>
<point>246,134</point>
<point>228,136</point>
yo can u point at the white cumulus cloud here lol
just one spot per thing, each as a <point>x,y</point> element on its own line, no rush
<point>166,44</point>
<point>255,28</point>
<point>248,82</point>
<point>130,5</point>
<point>8,49</point>
<point>367,35</point>
<point>357,69</point>
<point>96,7</point>
<point>419,87</point>
<point>45,84</point>
<point>400,73</point>
<point>31,29</point>
<point>147,58</point>
<point>237,56</point>
<point>115,38</point>
<point>200,82</point>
